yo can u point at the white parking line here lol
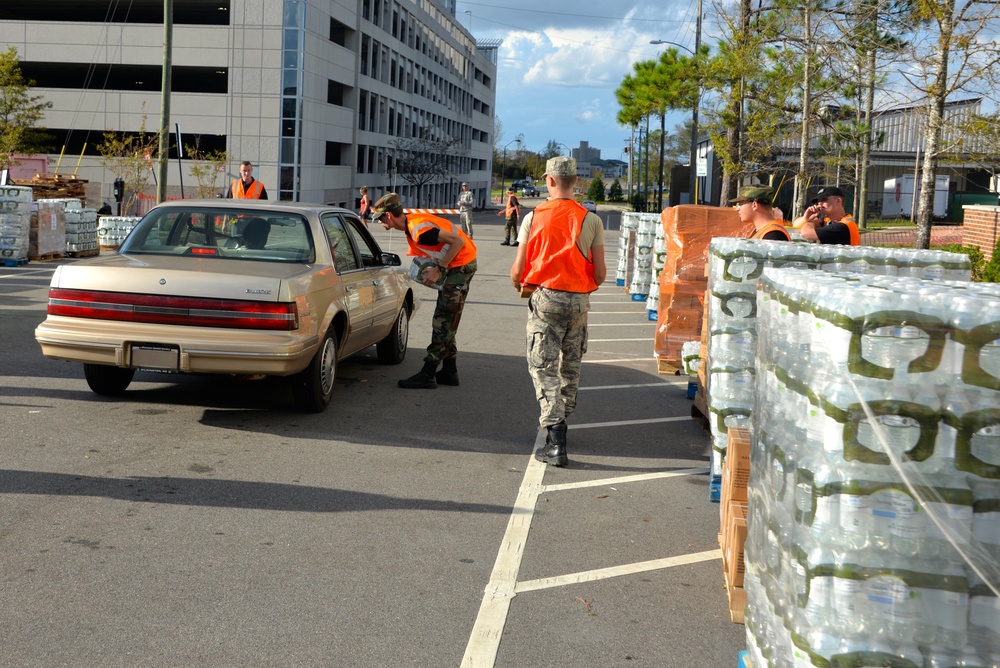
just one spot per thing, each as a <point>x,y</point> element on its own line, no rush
<point>665,383</point>
<point>616,340</point>
<point>603,482</point>
<point>615,571</point>
<point>622,423</point>
<point>484,641</point>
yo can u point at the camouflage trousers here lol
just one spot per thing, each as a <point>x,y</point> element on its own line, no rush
<point>466,216</point>
<point>557,340</point>
<point>510,228</point>
<point>448,313</point>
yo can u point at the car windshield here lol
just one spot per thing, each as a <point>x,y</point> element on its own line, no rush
<point>225,233</point>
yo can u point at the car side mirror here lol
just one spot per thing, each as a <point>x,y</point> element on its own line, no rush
<point>391,260</point>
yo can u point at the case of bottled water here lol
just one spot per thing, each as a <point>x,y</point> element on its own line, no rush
<point>734,268</point>
<point>645,238</point>
<point>874,499</point>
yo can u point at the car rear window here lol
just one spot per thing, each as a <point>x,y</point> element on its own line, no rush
<point>265,236</point>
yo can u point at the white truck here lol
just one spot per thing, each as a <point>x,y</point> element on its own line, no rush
<point>898,194</point>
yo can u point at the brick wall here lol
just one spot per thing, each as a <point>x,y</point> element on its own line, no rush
<point>981,228</point>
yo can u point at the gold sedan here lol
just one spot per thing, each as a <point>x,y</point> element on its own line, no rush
<point>232,287</point>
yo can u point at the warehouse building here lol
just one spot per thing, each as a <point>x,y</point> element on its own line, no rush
<point>320,95</point>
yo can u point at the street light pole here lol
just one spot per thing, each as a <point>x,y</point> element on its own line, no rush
<point>503,165</point>
<point>693,155</point>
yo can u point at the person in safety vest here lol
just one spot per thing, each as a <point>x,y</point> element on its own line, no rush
<point>827,222</point>
<point>560,256</point>
<point>246,187</point>
<point>511,213</point>
<point>453,255</point>
<point>753,204</point>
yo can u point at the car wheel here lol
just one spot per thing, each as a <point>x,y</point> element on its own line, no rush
<point>107,380</point>
<point>392,349</point>
<point>313,386</point>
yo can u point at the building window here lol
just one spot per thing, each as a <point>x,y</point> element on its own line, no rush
<point>335,93</point>
<point>338,32</point>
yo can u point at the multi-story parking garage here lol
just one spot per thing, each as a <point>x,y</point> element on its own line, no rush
<point>318,94</point>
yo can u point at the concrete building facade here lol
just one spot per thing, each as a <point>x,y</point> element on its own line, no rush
<point>318,94</point>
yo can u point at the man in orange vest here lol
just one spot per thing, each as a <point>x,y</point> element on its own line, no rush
<point>753,204</point>
<point>827,222</point>
<point>561,255</point>
<point>452,255</point>
<point>246,187</point>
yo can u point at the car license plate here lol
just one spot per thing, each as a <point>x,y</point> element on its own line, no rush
<point>155,358</point>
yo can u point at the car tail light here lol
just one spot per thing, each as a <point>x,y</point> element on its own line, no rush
<point>191,311</point>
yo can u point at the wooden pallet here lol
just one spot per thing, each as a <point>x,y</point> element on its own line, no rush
<point>90,252</point>
<point>46,257</point>
<point>737,602</point>
<point>669,367</point>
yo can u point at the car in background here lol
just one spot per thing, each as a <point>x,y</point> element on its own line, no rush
<point>529,191</point>
<point>589,205</point>
<point>240,287</point>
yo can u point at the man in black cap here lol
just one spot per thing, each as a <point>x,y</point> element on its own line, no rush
<point>827,222</point>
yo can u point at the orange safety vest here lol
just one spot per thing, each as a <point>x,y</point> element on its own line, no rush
<point>553,260</point>
<point>771,227</point>
<point>256,187</point>
<point>853,228</point>
<point>420,223</point>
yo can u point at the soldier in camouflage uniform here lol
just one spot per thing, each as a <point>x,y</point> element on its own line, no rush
<point>449,256</point>
<point>561,257</point>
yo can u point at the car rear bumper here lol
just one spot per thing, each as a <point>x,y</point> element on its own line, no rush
<point>198,349</point>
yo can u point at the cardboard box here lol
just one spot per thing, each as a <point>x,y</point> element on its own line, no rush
<point>737,536</point>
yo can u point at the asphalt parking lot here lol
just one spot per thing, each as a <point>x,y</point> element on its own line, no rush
<point>201,521</point>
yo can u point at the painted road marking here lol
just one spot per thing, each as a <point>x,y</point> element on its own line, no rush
<point>616,571</point>
<point>665,383</point>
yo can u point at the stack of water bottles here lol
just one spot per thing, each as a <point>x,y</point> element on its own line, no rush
<point>112,230</point>
<point>15,223</point>
<point>642,272</point>
<point>874,501</point>
<point>626,248</point>
<point>735,265</point>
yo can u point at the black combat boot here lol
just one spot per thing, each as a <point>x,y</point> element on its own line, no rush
<point>554,450</point>
<point>422,380</point>
<point>448,375</point>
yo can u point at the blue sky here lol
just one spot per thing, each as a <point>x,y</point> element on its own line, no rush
<point>561,61</point>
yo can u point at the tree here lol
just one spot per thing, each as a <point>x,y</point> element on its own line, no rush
<point>19,111</point>
<point>129,156</point>
<point>596,190</point>
<point>615,193</point>
<point>959,57</point>
<point>206,167</point>
<point>423,159</point>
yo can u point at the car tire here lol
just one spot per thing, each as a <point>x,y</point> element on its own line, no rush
<point>110,381</point>
<point>392,349</point>
<point>313,386</point>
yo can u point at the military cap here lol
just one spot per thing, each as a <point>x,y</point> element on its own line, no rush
<point>762,194</point>
<point>387,203</point>
<point>560,166</point>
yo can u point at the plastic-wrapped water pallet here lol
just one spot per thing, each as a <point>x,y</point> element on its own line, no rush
<point>15,224</point>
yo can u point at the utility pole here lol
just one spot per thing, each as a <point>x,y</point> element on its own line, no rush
<point>694,115</point>
<point>164,148</point>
